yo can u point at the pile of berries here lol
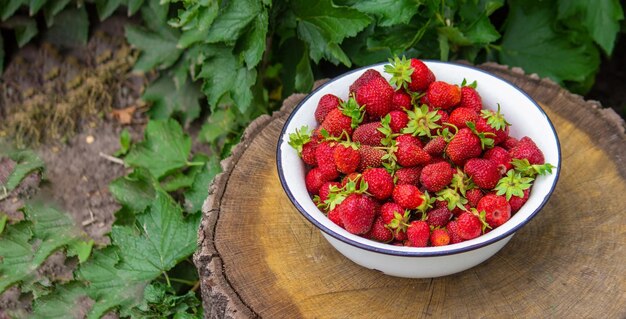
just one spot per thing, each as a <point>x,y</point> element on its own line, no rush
<point>414,161</point>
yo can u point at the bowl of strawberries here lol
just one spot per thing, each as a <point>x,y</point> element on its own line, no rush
<point>418,168</point>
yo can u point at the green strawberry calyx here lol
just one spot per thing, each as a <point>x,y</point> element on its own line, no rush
<point>422,121</point>
<point>473,85</point>
<point>338,194</point>
<point>481,216</point>
<point>452,197</point>
<point>427,203</point>
<point>400,222</point>
<point>526,169</point>
<point>513,184</point>
<point>461,182</point>
<point>485,141</point>
<point>400,70</point>
<point>299,138</point>
<point>351,109</point>
<point>495,119</point>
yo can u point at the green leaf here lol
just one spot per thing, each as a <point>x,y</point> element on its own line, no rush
<point>601,19</point>
<point>482,31</point>
<point>26,162</point>
<point>16,254</point>
<point>219,124</point>
<point>106,8</point>
<point>162,238</point>
<point>110,287</point>
<point>547,53</point>
<point>135,191</point>
<point>25,29</point>
<point>389,12</point>
<point>125,142</point>
<point>169,100</point>
<point>232,19</point>
<point>60,303</point>
<point>80,249</point>
<point>71,29</point>
<point>3,221</point>
<point>8,8</point>
<point>254,40</point>
<point>52,8</point>
<point>304,74</point>
<point>154,16</point>
<point>164,149</point>
<point>158,50</point>
<point>199,190</point>
<point>35,5</point>
<point>323,26</point>
<point>185,179</point>
<point>133,6</point>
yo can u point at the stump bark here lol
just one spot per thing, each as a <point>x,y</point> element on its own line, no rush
<point>258,257</point>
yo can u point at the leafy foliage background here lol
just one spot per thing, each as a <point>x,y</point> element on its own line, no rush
<point>223,63</point>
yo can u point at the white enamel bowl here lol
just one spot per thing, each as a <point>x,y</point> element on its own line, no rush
<point>527,119</point>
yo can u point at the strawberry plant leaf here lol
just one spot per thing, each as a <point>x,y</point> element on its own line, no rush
<point>25,29</point>
<point>26,162</point>
<point>61,303</point>
<point>106,7</point>
<point>169,99</point>
<point>71,29</point>
<point>164,149</point>
<point>548,53</point>
<point>601,19</point>
<point>389,12</point>
<point>199,190</point>
<point>3,221</point>
<point>125,142</point>
<point>158,49</point>
<point>232,20</point>
<point>185,179</point>
<point>323,26</point>
<point>16,252</point>
<point>8,8</point>
<point>133,6</point>
<point>135,191</point>
<point>254,40</point>
<point>35,6</point>
<point>304,74</point>
<point>52,8</point>
<point>219,124</point>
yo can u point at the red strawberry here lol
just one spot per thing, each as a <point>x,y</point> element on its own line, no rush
<point>509,143</point>
<point>388,211</point>
<point>401,101</point>
<point>435,177</point>
<point>364,78</point>
<point>517,202</point>
<point>473,196</point>
<point>453,231</point>
<point>408,196</point>
<point>439,237</point>
<point>470,99</point>
<point>527,149</point>
<point>499,135</point>
<point>370,157</point>
<point>334,216</point>
<point>483,172</point>
<point>497,209</point>
<point>400,236</point>
<point>379,182</point>
<point>443,95</point>
<point>421,77</point>
<point>376,94</point>
<point>314,179</point>
<point>469,226</point>
<point>399,120</point>
<point>352,177</point>
<point>357,213</point>
<point>347,158</point>
<point>464,145</point>
<point>436,146</point>
<point>461,115</point>
<point>408,175</point>
<point>458,211</point>
<point>325,190</point>
<point>326,104</point>
<point>418,233</point>
<point>438,216</point>
<point>501,157</point>
<point>308,153</point>
<point>409,153</point>
<point>324,155</point>
<point>379,232</point>
<point>335,123</point>
<point>368,134</point>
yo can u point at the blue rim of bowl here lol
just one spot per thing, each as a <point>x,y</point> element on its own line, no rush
<point>386,251</point>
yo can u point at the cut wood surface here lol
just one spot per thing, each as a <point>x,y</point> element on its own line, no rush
<point>258,256</point>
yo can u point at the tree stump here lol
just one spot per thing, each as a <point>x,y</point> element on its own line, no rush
<point>259,257</point>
